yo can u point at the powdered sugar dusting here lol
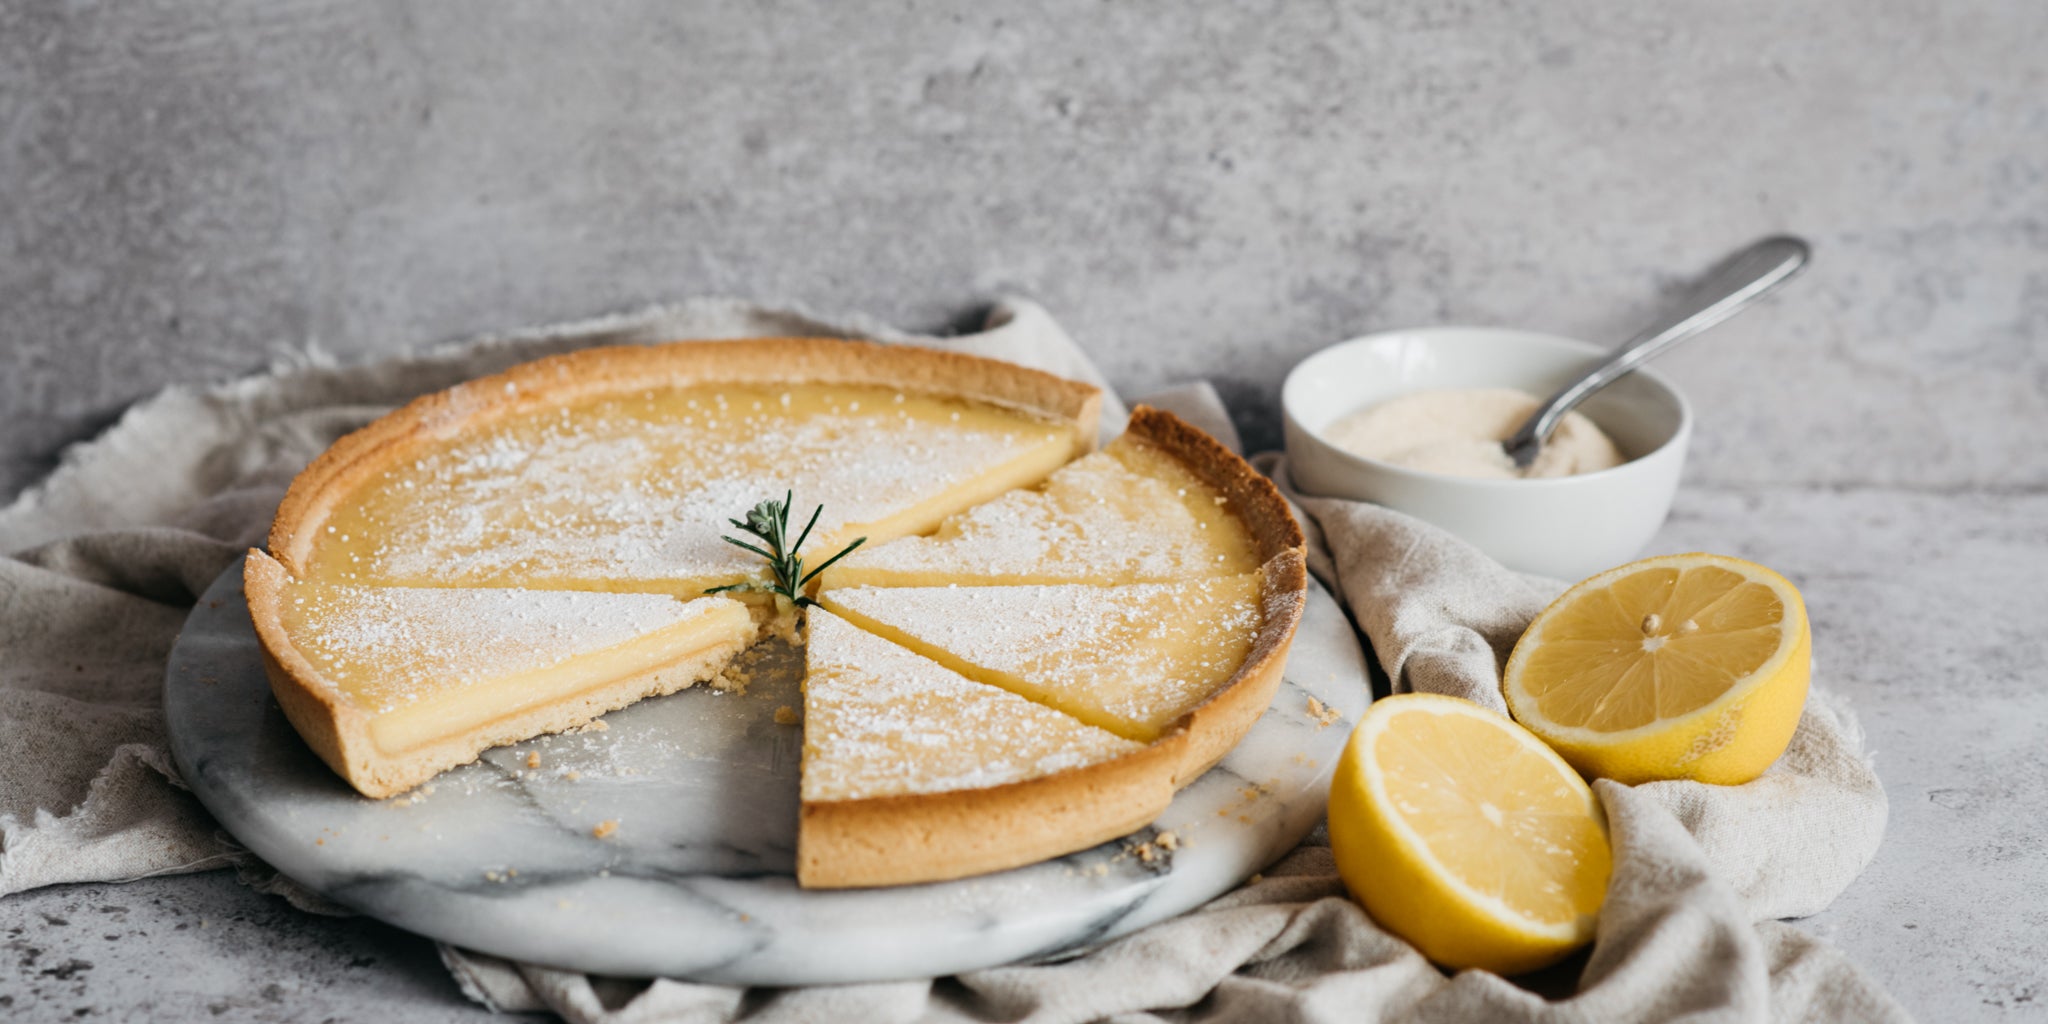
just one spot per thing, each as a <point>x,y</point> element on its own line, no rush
<point>1103,518</point>
<point>641,487</point>
<point>1132,657</point>
<point>386,647</point>
<point>880,720</point>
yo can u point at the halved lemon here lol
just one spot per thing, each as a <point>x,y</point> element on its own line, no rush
<point>1681,666</point>
<point>1459,831</point>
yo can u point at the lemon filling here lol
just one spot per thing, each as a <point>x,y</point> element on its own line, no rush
<point>1129,659</point>
<point>1127,514</point>
<point>632,493</point>
<point>880,720</point>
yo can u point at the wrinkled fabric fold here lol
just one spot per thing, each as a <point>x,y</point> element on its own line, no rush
<point>104,559</point>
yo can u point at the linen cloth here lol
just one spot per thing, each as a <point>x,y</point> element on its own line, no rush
<point>105,557</point>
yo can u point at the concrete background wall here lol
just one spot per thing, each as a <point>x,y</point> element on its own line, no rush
<point>194,188</point>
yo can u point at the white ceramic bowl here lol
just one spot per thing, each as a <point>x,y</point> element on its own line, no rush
<point>1567,527</point>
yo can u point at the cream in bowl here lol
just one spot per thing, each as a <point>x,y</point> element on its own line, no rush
<point>1568,526</point>
<point>1459,433</point>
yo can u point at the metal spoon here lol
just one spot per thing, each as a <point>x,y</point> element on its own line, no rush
<point>1740,280</point>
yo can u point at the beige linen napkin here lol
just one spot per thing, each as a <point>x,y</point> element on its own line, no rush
<point>106,556</point>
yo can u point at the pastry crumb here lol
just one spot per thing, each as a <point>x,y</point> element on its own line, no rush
<point>1323,714</point>
<point>572,775</point>
<point>1167,841</point>
<point>594,725</point>
<point>533,759</point>
<point>785,715</point>
<point>739,673</point>
<point>604,829</point>
<point>733,678</point>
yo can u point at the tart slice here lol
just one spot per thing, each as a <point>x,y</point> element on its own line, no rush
<point>1132,659</point>
<point>391,685</point>
<point>1162,502</point>
<point>915,773</point>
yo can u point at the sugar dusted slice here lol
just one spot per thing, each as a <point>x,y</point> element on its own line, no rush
<point>1130,513</point>
<point>880,720</point>
<point>391,685</point>
<point>1130,659</point>
<point>913,772</point>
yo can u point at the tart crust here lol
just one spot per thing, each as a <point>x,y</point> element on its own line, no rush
<point>933,837</point>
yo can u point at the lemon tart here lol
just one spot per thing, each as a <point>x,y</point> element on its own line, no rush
<point>1056,640</point>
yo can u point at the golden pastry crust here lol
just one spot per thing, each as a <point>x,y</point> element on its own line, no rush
<point>591,373</point>
<point>335,731</point>
<point>932,837</point>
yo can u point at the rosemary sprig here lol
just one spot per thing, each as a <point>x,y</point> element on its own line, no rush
<point>769,523</point>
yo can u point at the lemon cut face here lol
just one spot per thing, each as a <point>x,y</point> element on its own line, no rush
<point>1681,666</point>
<point>1464,834</point>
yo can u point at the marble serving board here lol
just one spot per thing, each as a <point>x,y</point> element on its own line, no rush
<point>695,877</point>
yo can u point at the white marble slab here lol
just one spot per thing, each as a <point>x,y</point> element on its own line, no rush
<point>697,880</point>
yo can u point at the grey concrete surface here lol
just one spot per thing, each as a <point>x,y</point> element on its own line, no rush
<point>203,947</point>
<point>191,190</point>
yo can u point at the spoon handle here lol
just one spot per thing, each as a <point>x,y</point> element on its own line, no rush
<point>1740,280</point>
